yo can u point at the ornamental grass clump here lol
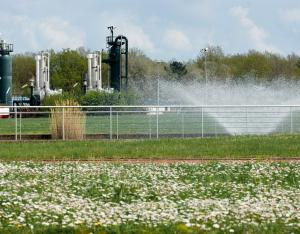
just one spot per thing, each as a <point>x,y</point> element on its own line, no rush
<point>68,122</point>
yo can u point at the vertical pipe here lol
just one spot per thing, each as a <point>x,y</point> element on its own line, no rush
<point>47,72</point>
<point>89,71</point>
<point>126,62</point>
<point>100,71</point>
<point>121,62</point>
<point>43,72</point>
<point>37,72</point>
<point>95,71</point>
<point>63,123</point>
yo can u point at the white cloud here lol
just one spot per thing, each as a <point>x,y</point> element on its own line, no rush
<point>257,35</point>
<point>176,40</point>
<point>133,31</point>
<point>41,34</point>
<point>138,37</point>
<point>291,15</point>
<point>59,33</point>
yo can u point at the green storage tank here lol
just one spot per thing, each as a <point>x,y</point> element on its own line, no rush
<point>117,60</point>
<point>5,73</point>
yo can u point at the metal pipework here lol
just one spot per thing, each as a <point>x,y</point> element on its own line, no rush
<point>116,54</point>
<point>42,83</point>
<point>124,75</point>
<point>94,80</point>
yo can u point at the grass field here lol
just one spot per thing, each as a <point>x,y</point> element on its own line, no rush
<point>258,147</point>
<point>117,198</point>
<point>171,123</point>
<point>124,198</point>
<point>181,123</point>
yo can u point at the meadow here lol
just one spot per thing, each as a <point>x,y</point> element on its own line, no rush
<point>215,148</point>
<point>170,123</point>
<point>149,198</point>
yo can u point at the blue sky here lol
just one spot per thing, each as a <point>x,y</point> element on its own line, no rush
<point>163,29</point>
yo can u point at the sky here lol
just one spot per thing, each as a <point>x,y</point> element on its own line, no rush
<point>162,29</point>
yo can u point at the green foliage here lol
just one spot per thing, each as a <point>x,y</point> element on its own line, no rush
<point>298,63</point>
<point>67,69</point>
<point>23,70</point>
<point>96,98</point>
<point>214,60</point>
<point>256,147</point>
<point>254,64</point>
<point>177,69</point>
<point>143,70</point>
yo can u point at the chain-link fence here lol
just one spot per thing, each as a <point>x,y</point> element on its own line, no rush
<point>124,122</point>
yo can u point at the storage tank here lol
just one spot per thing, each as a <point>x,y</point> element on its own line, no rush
<point>5,73</point>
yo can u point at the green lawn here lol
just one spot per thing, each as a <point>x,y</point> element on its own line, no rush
<point>169,123</point>
<point>258,147</point>
<point>182,123</point>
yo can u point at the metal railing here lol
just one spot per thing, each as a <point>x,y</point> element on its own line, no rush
<point>117,122</point>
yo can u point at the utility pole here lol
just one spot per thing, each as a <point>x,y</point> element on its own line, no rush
<point>205,50</point>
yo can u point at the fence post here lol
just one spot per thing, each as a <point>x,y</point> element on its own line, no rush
<point>63,123</point>
<point>110,122</point>
<point>291,114</point>
<point>20,127</point>
<point>157,122</point>
<point>16,123</point>
<point>117,125</point>
<point>215,123</point>
<point>246,120</point>
<point>149,120</point>
<point>182,122</point>
<point>202,121</point>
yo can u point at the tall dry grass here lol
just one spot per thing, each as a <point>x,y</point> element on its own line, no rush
<point>67,123</point>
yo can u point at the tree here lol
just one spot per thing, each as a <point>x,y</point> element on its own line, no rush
<point>23,71</point>
<point>298,63</point>
<point>215,62</point>
<point>177,69</point>
<point>67,68</point>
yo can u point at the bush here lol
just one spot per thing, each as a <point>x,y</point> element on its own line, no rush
<point>96,98</point>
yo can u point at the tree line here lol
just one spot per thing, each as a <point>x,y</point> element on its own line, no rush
<point>69,66</point>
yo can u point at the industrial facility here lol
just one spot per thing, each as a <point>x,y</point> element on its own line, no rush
<point>117,60</point>
<point>40,85</point>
